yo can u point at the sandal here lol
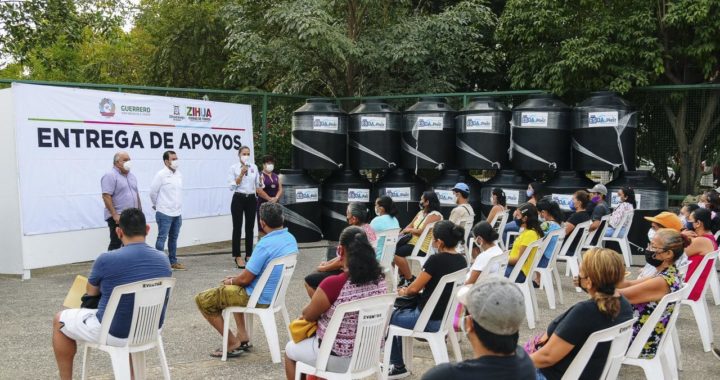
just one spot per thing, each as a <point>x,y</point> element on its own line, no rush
<point>231,353</point>
<point>237,264</point>
<point>245,346</point>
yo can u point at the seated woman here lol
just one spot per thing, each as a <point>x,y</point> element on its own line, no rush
<point>498,200</point>
<point>356,215</point>
<point>550,217</point>
<point>534,193</point>
<point>429,213</point>
<point>580,202</point>
<point>362,277</point>
<point>527,218</point>
<point>644,294</point>
<point>446,236</point>
<point>384,220</point>
<point>600,272</point>
<point>702,243</point>
<point>627,205</point>
<point>485,237</point>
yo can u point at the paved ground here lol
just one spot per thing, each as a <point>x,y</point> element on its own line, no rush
<point>28,307</point>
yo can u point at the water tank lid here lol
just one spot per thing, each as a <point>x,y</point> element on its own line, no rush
<point>430,104</point>
<point>319,105</point>
<point>543,102</point>
<point>373,106</point>
<point>485,103</point>
<point>605,99</point>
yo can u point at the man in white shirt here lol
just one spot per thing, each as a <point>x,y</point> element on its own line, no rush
<point>463,210</point>
<point>166,197</point>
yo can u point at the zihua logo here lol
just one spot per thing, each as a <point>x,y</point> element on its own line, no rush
<point>198,114</point>
<point>107,107</point>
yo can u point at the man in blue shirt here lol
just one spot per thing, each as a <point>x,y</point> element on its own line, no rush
<point>135,261</point>
<point>236,290</point>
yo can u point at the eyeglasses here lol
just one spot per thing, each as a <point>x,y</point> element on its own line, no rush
<point>655,249</point>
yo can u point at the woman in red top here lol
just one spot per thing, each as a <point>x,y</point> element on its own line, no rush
<point>703,242</point>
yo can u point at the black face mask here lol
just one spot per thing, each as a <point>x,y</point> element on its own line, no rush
<point>651,260</point>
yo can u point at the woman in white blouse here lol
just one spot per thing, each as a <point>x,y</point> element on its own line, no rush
<point>627,205</point>
<point>244,180</point>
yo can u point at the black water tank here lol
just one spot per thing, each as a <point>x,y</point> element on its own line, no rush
<point>374,136</point>
<point>428,137</point>
<point>319,135</point>
<point>482,139</point>
<point>513,183</point>
<point>338,190</point>
<point>564,185</point>
<point>405,190</point>
<point>443,188</point>
<point>604,133</point>
<point>301,199</point>
<point>651,196</point>
<point>541,129</point>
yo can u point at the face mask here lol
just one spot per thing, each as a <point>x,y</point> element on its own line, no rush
<point>421,206</point>
<point>689,226</point>
<point>244,159</point>
<point>518,221</point>
<point>174,165</point>
<point>127,165</point>
<point>650,259</point>
<point>650,234</point>
<point>595,199</point>
<point>529,193</point>
<point>702,204</point>
<point>541,219</point>
<point>269,167</point>
<point>572,206</point>
<point>683,219</point>
<point>377,210</point>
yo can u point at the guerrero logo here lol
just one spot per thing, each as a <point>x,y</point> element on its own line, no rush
<point>107,107</point>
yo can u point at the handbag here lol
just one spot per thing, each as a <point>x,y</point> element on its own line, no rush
<point>402,240</point>
<point>301,329</point>
<point>458,317</point>
<point>406,302</point>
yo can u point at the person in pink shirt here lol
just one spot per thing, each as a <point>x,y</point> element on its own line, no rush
<point>703,242</point>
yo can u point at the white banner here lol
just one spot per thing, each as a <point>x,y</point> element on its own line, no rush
<point>66,139</point>
<point>563,200</point>
<point>534,119</point>
<point>446,197</point>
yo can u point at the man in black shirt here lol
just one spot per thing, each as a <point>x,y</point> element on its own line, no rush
<point>496,310</point>
<point>599,209</point>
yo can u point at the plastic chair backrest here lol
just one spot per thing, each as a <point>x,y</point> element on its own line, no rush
<point>501,261</point>
<point>150,298</point>
<point>287,263</point>
<point>456,280</point>
<point>619,338</point>
<point>421,240</point>
<point>625,225</point>
<point>558,235</point>
<point>593,238</point>
<point>388,239</point>
<point>517,268</point>
<point>717,235</point>
<point>708,260</point>
<point>500,221</point>
<point>373,317</point>
<point>578,233</point>
<point>650,324</point>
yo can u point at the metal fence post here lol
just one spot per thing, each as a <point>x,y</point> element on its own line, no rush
<point>263,146</point>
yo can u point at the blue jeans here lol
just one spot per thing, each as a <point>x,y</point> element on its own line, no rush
<point>168,227</point>
<point>609,231</point>
<point>539,375</point>
<point>406,318</point>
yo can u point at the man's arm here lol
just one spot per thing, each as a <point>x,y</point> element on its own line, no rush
<point>154,189</point>
<point>92,290</point>
<point>107,200</point>
<point>243,279</point>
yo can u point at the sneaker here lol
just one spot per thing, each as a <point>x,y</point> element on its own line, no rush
<point>397,372</point>
<point>178,266</point>
<point>402,282</point>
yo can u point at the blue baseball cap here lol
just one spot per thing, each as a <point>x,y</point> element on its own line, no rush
<point>461,186</point>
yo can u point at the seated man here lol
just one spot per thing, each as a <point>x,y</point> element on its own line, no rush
<point>236,290</point>
<point>135,261</point>
<point>496,310</point>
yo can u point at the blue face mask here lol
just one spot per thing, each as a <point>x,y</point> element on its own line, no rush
<point>572,206</point>
<point>689,226</point>
<point>529,192</point>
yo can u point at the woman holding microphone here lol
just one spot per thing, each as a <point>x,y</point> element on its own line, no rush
<point>244,181</point>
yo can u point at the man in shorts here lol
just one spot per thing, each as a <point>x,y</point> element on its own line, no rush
<point>135,261</point>
<point>236,290</point>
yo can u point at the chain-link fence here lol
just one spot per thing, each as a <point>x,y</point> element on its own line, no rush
<point>678,136</point>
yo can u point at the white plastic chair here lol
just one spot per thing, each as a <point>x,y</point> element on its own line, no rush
<point>373,320</point>
<point>510,237</point>
<point>572,259</point>
<point>619,338</point>
<point>465,247</point>
<point>700,308</point>
<point>150,298</point>
<point>620,236</point>
<point>595,238</point>
<point>414,256</point>
<point>549,274</point>
<point>501,261</point>
<point>499,222</point>
<point>663,365</point>
<point>389,240</point>
<point>435,339</point>
<point>266,315</point>
<point>528,291</point>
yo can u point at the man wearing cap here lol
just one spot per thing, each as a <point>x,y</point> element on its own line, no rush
<point>496,310</point>
<point>664,219</point>
<point>599,207</point>
<point>463,209</point>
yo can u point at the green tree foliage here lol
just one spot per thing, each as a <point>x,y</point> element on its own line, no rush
<point>619,44</point>
<point>353,47</point>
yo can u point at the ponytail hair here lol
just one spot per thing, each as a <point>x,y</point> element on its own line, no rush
<point>387,203</point>
<point>362,265</point>
<point>532,222</point>
<point>605,269</point>
<point>449,233</point>
<point>485,231</point>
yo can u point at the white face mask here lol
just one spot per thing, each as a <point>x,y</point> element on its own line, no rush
<point>127,165</point>
<point>702,204</point>
<point>269,167</point>
<point>244,159</point>
<point>650,234</point>
<point>377,210</point>
<point>174,165</point>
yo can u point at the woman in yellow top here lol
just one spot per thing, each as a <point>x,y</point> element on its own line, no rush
<point>429,213</point>
<point>526,216</point>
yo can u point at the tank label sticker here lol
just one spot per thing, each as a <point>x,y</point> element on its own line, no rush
<point>446,197</point>
<point>534,119</point>
<point>477,122</point>
<point>512,197</point>
<point>306,195</point>
<point>615,200</point>
<point>373,123</point>
<point>327,123</point>
<point>603,119</point>
<point>358,195</point>
<point>433,123</point>
<point>563,200</point>
<point>398,194</point>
